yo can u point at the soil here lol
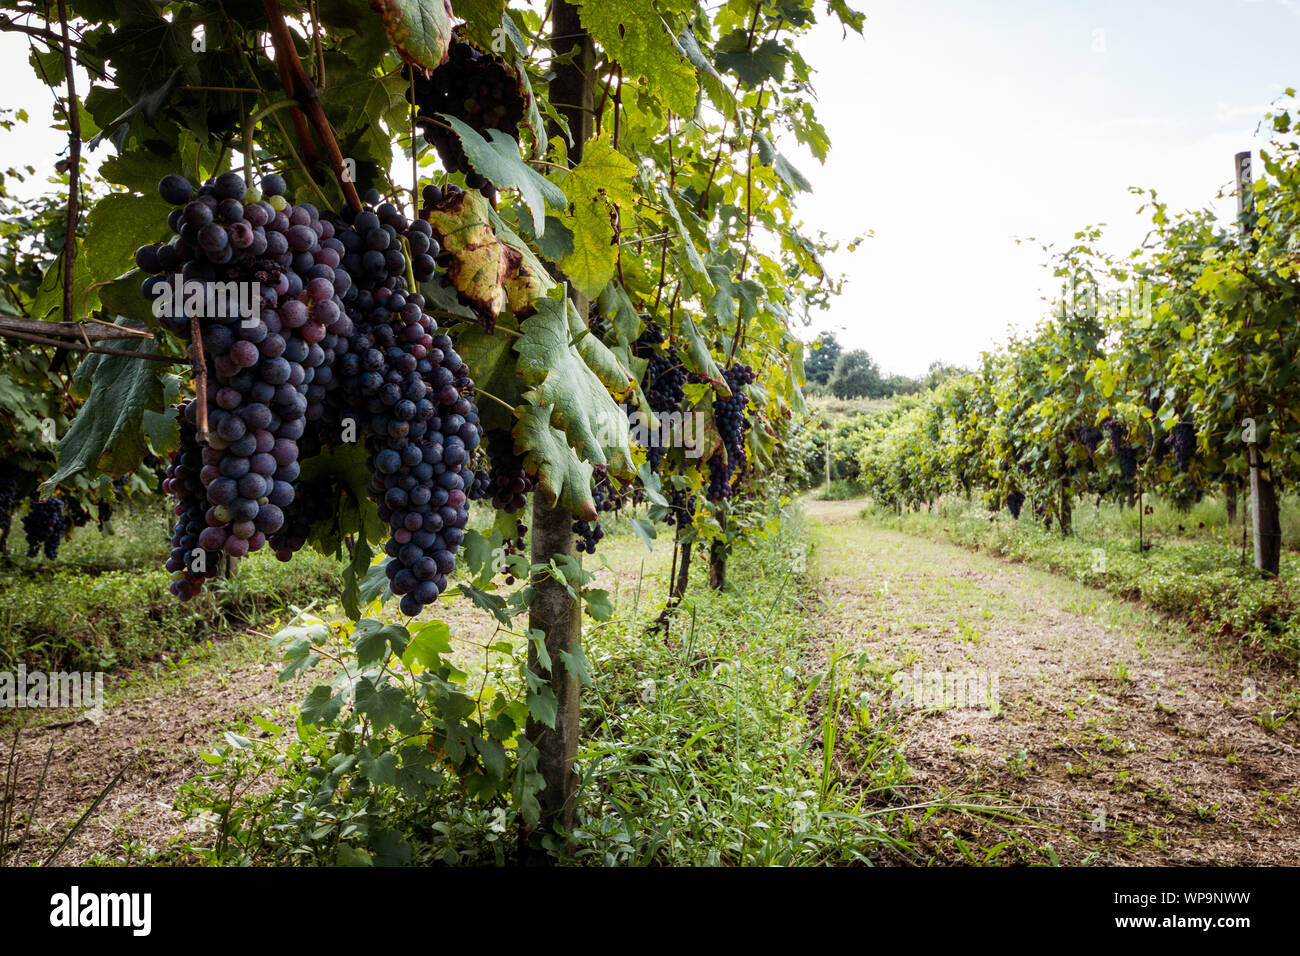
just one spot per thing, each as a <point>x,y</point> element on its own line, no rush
<point>1121,738</point>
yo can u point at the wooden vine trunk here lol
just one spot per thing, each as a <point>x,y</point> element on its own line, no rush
<point>554,611</point>
<point>717,565</point>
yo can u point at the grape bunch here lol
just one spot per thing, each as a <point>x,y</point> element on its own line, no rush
<point>44,525</point>
<point>269,371</point>
<point>480,90</point>
<point>1015,501</point>
<point>189,563</point>
<point>662,384</point>
<point>505,480</point>
<point>1183,442</point>
<point>590,533</point>
<point>681,508</point>
<point>1117,432</point>
<point>413,394</point>
<point>729,414</point>
<point>1089,436</point>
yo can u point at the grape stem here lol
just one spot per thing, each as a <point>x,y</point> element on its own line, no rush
<point>300,87</point>
<point>200,377</point>
<point>249,126</point>
<point>481,391</point>
<point>74,177</point>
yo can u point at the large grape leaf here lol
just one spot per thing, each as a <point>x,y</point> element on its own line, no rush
<point>595,187</point>
<point>611,372</point>
<point>420,30</point>
<point>593,260</point>
<point>528,279</point>
<point>498,159</point>
<point>737,54</point>
<point>482,21</point>
<point>697,357</point>
<point>615,305</point>
<point>632,34</point>
<point>549,362</point>
<point>108,433</point>
<point>562,478</point>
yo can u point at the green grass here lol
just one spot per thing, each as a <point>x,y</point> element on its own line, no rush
<point>1196,575</point>
<point>104,602</point>
<point>718,742</point>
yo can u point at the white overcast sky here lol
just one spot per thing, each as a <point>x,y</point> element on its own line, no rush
<point>958,126</point>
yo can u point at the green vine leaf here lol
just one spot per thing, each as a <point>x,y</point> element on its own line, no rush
<point>561,378</point>
<point>108,433</point>
<point>563,478</point>
<point>498,159</point>
<point>420,30</point>
<point>633,35</point>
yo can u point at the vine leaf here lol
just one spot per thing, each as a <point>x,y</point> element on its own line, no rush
<point>753,65</point>
<point>560,377</point>
<point>598,357</point>
<point>483,18</point>
<point>697,357</point>
<point>768,155</point>
<point>710,78</point>
<point>492,358</point>
<point>498,160</point>
<point>528,280</point>
<point>594,188</point>
<point>700,277</point>
<point>490,267</point>
<point>563,479</point>
<point>615,305</point>
<point>108,433</point>
<point>420,30</point>
<point>632,34</point>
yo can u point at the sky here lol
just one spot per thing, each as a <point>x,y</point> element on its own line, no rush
<point>957,127</point>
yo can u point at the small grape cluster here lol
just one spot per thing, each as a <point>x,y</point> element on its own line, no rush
<point>1117,432</point>
<point>1015,501</point>
<point>190,563</point>
<point>590,533</point>
<point>44,525</point>
<point>729,414</point>
<point>681,508</point>
<point>505,480</point>
<point>478,89</point>
<point>1183,442</point>
<point>1089,436</point>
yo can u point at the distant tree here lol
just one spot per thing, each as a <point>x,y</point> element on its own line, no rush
<point>901,385</point>
<point>823,353</point>
<point>939,371</point>
<point>856,375</point>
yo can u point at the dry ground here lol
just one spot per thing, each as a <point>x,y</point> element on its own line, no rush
<point>1107,715</point>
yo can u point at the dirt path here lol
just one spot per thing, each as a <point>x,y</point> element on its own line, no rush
<point>1106,715</point>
